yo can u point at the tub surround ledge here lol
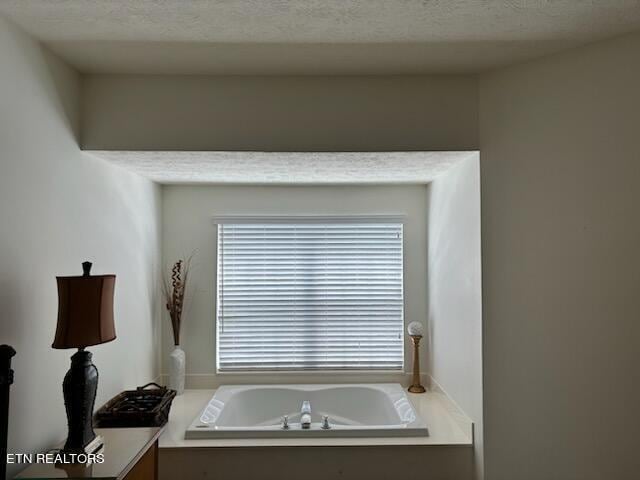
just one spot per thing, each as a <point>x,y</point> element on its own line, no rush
<point>447,425</point>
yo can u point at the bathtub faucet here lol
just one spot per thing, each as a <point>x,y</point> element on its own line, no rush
<point>305,415</point>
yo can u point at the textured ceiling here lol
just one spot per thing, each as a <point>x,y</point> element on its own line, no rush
<point>314,36</point>
<point>290,168</point>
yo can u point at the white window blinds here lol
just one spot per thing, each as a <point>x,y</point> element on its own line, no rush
<point>310,296</point>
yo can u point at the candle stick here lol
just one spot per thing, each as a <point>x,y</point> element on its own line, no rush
<point>415,332</point>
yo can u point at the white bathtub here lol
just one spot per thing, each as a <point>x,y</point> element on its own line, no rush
<point>354,410</point>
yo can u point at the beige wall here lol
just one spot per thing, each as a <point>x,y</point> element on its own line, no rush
<point>455,290</point>
<point>560,163</point>
<point>124,112</point>
<point>188,226</point>
<point>59,207</point>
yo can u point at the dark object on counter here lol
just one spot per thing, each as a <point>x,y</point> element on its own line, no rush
<point>85,317</point>
<point>141,407</point>
<point>6,379</point>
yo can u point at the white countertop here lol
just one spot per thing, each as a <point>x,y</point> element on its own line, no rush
<point>446,424</point>
<point>123,448</point>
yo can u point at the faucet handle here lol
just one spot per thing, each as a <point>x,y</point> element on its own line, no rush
<point>325,422</point>
<point>285,422</point>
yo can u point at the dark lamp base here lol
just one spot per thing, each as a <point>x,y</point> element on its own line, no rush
<point>79,388</point>
<point>94,446</point>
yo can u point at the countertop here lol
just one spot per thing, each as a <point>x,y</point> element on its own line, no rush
<point>446,423</point>
<point>123,447</point>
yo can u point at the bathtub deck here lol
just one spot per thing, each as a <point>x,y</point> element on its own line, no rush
<point>447,427</point>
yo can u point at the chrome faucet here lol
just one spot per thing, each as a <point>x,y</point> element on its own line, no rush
<point>305,415</point>
<point>325,423</point>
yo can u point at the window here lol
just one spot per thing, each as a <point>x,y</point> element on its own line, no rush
<point>310,295</point>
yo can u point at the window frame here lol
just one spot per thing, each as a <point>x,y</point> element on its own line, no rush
<point>307,219</point>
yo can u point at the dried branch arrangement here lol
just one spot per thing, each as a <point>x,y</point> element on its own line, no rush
<point>174,289</point>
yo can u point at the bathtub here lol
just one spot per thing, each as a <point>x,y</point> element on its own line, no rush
<point>353,410</point>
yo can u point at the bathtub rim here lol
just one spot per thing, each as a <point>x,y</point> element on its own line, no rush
<point>393,391</point>
<point>449,427</point>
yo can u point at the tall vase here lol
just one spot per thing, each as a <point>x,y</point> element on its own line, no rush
<point>177,360</point>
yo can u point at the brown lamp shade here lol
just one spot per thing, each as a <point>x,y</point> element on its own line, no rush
<point>85,311</point>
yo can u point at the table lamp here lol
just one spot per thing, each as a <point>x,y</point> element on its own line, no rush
<point>85,317</point>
